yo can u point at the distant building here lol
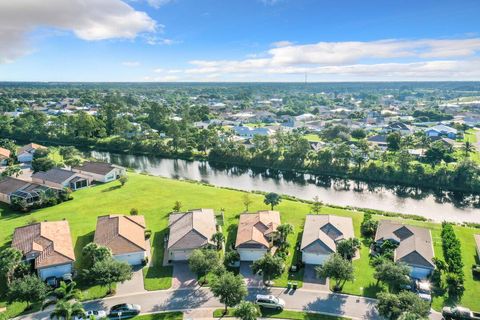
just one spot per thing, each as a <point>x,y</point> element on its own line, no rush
<point>441,130</point>
<point>4,156</point>
<point>248,132</point>
<point>25,153</point>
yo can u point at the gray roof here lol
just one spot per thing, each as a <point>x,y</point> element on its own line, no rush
<point>97,167</point>
<point>9,185</point>
<point>191,230</point>
<point>55,175</point>
<point>415,243</point>
<point>322,232</point>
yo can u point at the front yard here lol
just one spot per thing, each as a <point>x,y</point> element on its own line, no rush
<point>154,198</point>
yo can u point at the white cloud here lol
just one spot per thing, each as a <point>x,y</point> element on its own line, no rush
<point>89,20</point>
<point>154,40</point>
<point>158,70</point>
<point>131,64</point>
<point>283,43</point>
<point>158,3</point>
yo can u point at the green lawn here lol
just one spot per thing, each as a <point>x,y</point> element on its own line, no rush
<point>470,135</point>
<point>313,137</point>
<point>154,197</point>
<point>285,314</point>
<point>161,316</point>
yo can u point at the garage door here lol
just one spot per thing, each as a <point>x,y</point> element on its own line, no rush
<point>251,255</point>
<point>180,255</point>
<point>132,259</point>
<point>311,258</point>
<point>420,273</point>
<point>57,271</point>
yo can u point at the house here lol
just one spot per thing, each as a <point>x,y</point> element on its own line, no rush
<point>25,153</point>
<point>414,246</point>
<point>441,130</point>
<point>189,231</point>
<point>4,156</point>
<point>248,132</point>
<point>48,245</point>
<point>321,234</point>
<point>378,140</point>
<point>11,188</point>
<point>255,234</point>
<point>399,127</point>
<point>61,178</point>
<point>100,171</point>
<point>477,243</point>
<point>124,236</point>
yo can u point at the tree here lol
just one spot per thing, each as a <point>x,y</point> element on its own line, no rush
<point>13,170</point>
<point>284,230</point>
<point>336,268</point>
<point>177,206</point>
<point>107,272</point>
<point>269,266</point>
<point>316,205</point>
<point>467,148</point>
<point>123,179</point>
<point>42,164</point>
<point>67,311</point>
<point>393,141</point>
<point>229,288</point>
<point>358,133</point>
<point>347,248</point>
<point>246,310</point>
<point>94,253</point>
<point>65,292</point>
<point>247,201</point>
<point>272,199</point>
<point>10,258</point>
<point>368,226</point>
<point>392,306</point>
<point>27,289</point>
<point>231,258</point>
<point>202,261</point>
<point>394,275</point>
<point>218,239</point>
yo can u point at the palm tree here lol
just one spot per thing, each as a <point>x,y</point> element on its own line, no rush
<point>65,292</point>
<point>283,231</point>
<point>467,148</point>
<point>67,311</point>
<point>218,239</point>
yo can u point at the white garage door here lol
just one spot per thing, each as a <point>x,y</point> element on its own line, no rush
<point>250,254</point>
<point>57,271</point>
<point>420,273</point>
<point>132,259</point>
<point>180,255</point>
<point>311,258</point>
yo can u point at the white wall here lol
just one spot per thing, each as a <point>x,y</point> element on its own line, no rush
<point>311,258</point>
<point>251,254</point>
<point>179,255</point>
<point>55,271</point>
<point>132,259</point>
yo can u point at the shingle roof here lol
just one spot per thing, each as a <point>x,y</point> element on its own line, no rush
<point>327,230</point>
<point>51,239</point>
<point>4,153</point>
<point>253,227</point>
<point>55,175</point>
<point>9,185</point>
<point>415,243</point>
<point>29,147</point>
<point>190,230</point>
<point>122,234</point>
<point>96,167</point>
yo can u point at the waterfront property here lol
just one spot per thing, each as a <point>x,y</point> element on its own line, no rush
<point>124,236</point>
<point>25,153</point>
<point>62,178</point>
<point>11,188</point>
<point>48,245</point>
<point>414,246</point>
<point>321,234</point>
<point>256,233</point>
<point>100,171</point>
<point>189,231</point>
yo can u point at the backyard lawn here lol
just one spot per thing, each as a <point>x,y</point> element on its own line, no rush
<point>154,197</point>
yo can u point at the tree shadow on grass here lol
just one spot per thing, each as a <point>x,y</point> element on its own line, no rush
<point>82,241</point>
<point>112,188</point>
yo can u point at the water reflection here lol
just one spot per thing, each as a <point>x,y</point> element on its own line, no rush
<point>439,205</point>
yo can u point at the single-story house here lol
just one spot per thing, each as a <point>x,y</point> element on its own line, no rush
<point>321,234</point>
<point>397,126</point>
<point>124,235</point>
<point>379,140</point>
<point>62,178</point>
<point>477,243</point>
<point>249,132</point>
<point>48,245</point>
<point>12,187</point>
<point>100,171</point>
<point>189,231</point>
<point>25,153</point>
<point>4,156</point>
<point>255,234</point>
<point>415,246</point>
<point>441,130</point>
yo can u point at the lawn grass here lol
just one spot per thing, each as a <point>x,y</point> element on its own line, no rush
<point>284,314</point>
<point>470,135</point>
<point>312,137</point>
<point>154,197</point>
<point>161,316</point>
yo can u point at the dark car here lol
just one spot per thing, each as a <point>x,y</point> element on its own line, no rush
<point>124,310</point>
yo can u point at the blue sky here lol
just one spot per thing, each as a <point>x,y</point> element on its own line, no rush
<point>238,40</point>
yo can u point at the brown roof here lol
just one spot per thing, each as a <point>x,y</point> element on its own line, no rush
<point>324,231</point>
<point>415,243</point>
<point>9,185</point>
<point>4,153</point>
<point>96,167</point>
<point>52,240</point>
<point>29,147</point>
<point>122,234</point>
<point>190,230</point>
<point>254,227</point>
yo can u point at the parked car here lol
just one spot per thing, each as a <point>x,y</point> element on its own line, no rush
<point>52,282</point>
<point>424,290</point>
<point>459,313</point>
<point>124,310</point>
<point>269,301</point>
<point>93,314</point>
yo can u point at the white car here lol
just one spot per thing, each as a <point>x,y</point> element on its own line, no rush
<point>93,314</point>
<point>269,301</point>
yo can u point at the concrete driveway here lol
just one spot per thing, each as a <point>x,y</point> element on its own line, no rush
<point>134,285</point>
<point>182,276</point>
<point>310,280</point>
<point>251,279</point>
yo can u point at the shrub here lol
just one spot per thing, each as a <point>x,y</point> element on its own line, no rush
<point>134,212</point>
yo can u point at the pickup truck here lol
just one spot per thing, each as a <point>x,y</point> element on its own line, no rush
<point>459,313</point>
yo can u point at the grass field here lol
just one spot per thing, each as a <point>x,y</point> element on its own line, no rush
<point>154,197</point>
<point>285,314</point>
<point>161,316</point>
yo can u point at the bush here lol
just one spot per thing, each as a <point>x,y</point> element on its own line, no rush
<point>134,212</point>
<point>148,233</point>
